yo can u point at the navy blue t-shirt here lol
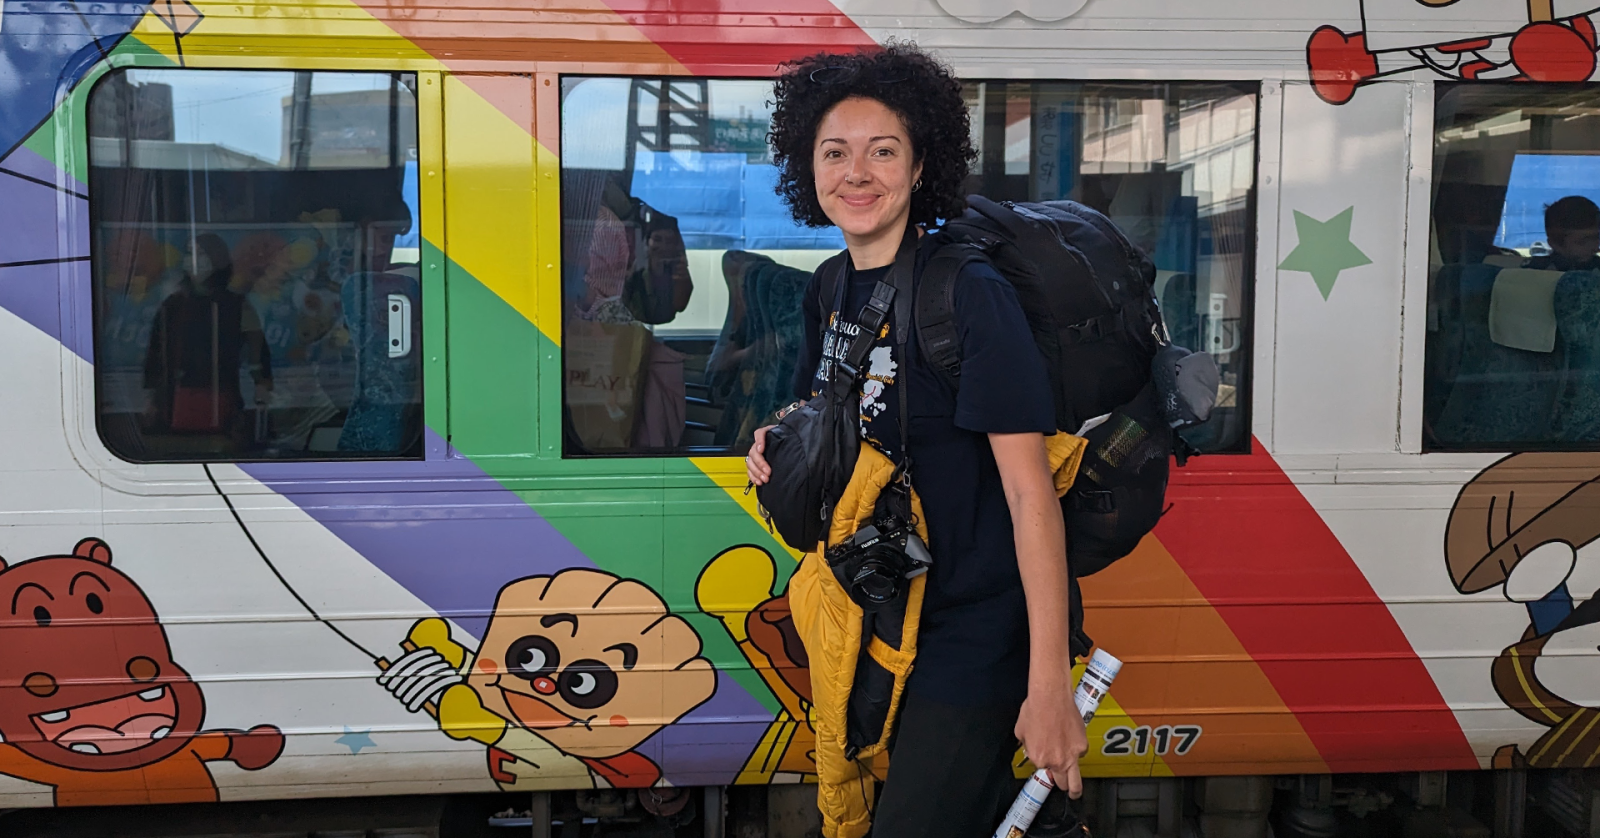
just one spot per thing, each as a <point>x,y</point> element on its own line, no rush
<point>973,646</point>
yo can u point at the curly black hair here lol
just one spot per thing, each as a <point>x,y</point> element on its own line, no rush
<point>916,86</point>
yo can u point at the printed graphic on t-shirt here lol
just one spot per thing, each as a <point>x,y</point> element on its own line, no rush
<point>880,373</point>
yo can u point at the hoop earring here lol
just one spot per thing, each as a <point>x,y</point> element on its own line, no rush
<point>917,185</point>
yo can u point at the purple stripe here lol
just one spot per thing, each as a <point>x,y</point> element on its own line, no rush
<point>28,215</point>
<point>33,293</point>
<point>27,162</point>
<point>455,550</point>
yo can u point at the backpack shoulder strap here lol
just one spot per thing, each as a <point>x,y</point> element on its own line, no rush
<point>937,332</point>
<point>830,275</point>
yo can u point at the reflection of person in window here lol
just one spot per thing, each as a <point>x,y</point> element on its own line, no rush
<point>1572,226</point>
<point>660,407</point>
<point>380,226</point>
<point>610,254</point>
<point>204,333</point>
<point>768,340</point>
<point>733,344</point>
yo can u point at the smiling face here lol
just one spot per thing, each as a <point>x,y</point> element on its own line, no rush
<point>87,679</point>
<point>593,663</point>
<point>865,170</point>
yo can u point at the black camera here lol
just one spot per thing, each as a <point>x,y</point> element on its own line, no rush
<point>875,564</point>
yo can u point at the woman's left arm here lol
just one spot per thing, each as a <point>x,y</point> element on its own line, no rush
<point>1049,726</point>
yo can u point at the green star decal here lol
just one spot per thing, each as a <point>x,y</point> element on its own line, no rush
<point>1324,249</point>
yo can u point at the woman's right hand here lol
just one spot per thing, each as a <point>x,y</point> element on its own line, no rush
<point>755,465</point>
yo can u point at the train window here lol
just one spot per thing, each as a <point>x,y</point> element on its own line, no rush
<point>1513,318</point>
<point>1174,165</point>
<point>255,260</point>
<point>682,269</point>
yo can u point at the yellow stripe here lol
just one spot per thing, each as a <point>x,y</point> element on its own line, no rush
<point>763,762</point>
<point>1553,737</point>
<point>1522,679</point>
<point>1593,718</point>
<point>490,192</point>
<point>274,34</point>
<point>728,473</point>
<point>547,259</point>
<point>1096,764</point>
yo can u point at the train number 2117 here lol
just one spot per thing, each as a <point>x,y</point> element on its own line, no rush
<point>1123,741</point>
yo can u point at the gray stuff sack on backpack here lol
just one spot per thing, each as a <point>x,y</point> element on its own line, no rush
<point>1186,385</point>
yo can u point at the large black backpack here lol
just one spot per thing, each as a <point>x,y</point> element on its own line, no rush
<point>1088,294</point>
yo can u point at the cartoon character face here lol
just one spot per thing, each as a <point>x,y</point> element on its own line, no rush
<point>87,680</point>
<point>590,662</point>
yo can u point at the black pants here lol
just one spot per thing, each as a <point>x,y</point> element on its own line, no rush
<point>949,771</point>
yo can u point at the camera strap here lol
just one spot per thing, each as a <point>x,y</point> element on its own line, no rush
<point>870,321</point>
<point>846,371</point>
<point>872,318</point>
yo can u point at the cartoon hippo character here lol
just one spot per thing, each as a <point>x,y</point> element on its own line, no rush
<point>1519,526</point>
<point>736,587</point>
<point>91,702</point>
<point>575,671</point>
<point>1533,40</point>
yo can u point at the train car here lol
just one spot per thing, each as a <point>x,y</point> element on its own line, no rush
<point>378,373</point>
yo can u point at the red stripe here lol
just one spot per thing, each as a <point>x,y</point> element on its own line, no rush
<point>714,37</point>
<point>1259,552</point>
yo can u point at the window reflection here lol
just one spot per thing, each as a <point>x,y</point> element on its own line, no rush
<point>682,270</point>
<point>1173,165</point>
<point>255,264</point>
<point>1513,319</point>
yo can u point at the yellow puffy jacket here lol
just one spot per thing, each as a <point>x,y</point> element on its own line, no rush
<point>831,625</point>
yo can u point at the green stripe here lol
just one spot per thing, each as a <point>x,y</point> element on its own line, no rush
<point>43,140</point>
<point>656,520</point>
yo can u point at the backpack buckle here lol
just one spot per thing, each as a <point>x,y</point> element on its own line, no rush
<point>1096,328</point>
<point>1087,330</point>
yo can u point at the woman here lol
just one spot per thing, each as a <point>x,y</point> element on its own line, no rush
<point>877,144</point>
<point>203,334</point>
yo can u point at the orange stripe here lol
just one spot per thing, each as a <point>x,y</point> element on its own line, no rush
<point>489,35</point>
<point>1185,666</point>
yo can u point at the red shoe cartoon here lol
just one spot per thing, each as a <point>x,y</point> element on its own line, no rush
<point>1467,40</point>
<point>1338,62</point>
<point>1549,51</point>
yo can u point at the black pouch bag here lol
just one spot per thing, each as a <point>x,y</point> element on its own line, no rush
<point>812,451</point>
<point>1117,495</point>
